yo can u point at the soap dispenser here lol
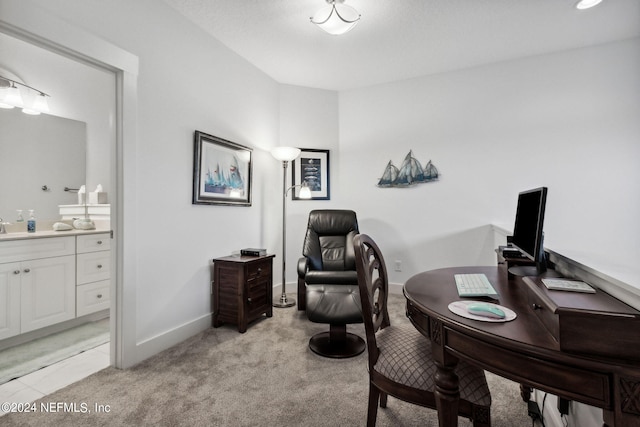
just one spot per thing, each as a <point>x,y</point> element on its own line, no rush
<point>31,222</point>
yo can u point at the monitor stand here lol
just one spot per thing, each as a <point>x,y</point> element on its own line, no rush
<point>524,270</point>
<point>521,270</point>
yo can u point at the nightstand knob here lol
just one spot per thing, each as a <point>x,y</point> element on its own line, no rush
<point>249,300</point>
<point>536,306</point>
<point>259,271</point>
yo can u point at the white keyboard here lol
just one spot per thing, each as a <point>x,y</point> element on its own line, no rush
<point>568,285</point>
<point>474,285</point>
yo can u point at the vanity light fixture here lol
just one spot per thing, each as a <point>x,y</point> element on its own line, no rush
<point>336,18</point>
<point>586,4</point>
<point>12,97</point>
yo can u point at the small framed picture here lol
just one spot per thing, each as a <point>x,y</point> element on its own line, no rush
<point>312,167</point>
<point>221,171</point>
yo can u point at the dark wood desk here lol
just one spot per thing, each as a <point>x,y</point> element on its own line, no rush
<point>521,350</point>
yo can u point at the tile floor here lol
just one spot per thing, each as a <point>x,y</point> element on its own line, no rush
<point>38,384</point>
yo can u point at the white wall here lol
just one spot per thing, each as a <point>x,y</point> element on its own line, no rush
<point>568,121</point>
<point>308,119</point>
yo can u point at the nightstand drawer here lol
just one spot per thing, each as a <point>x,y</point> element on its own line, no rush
<point>259,269</point>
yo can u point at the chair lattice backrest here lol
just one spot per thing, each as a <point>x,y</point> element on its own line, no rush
<point>373,285</point>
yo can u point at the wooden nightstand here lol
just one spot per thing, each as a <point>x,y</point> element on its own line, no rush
<point>242,289</point>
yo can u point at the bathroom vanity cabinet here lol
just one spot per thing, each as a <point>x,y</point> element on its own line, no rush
<point>93,267</point>
<point>41,280</point>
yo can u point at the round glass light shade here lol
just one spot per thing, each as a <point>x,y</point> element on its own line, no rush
<point>336,18</point>
<point>305,191</point>
<point>40,105</point>
<point>285,153</point>
<point>586,4</point>
<point>13,97</point>
<point>4,91</point>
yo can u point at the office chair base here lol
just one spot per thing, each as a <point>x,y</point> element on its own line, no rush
<point>349,346</point>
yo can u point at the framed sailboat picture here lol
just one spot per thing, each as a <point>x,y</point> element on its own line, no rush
<point>221,171</point>
<point>311,167</point>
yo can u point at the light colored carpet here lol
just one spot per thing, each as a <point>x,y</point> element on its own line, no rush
<point>29,357</point>
<point>264,377</point>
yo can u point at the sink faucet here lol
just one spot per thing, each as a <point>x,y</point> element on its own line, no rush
<point>3,230</point>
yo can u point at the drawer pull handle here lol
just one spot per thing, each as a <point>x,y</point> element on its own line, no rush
<point>16,272</point>
<point>99,242</point>
<point>99,265</point>
<point>259,271</point>
<point>536,306</point>
<point>249,300</point>
<point>27,270</point>
<point>99,295</point>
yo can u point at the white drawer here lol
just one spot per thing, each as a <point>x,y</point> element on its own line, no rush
<point>94,243</point>
<point>92,297</point>
<point>28,249</point>
<point>93,266</point>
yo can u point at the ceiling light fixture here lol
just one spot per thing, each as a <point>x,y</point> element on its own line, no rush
<point>586,4</point>
<point>336,18</point>
<point>10,97</point>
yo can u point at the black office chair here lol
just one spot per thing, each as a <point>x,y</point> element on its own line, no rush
<point>328,282</point>
<point>400,361</point>
<point>327,251</point>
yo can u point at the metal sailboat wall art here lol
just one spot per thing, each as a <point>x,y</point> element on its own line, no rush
<point>410,173</point>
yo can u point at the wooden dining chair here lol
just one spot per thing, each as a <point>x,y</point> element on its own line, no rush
<point>400,361</point>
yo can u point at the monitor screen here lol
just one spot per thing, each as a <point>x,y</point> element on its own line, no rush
<point>527,232</point>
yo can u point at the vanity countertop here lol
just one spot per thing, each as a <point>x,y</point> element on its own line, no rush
<point>23,235</point>
<point>44,229</point>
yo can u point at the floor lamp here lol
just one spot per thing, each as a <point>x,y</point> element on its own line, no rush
<point>286,154</point>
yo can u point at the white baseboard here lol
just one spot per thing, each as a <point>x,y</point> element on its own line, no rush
<point>155,345</point>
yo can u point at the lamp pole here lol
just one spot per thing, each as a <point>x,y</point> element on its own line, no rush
<point>284,302</point>
<point>286,154</point>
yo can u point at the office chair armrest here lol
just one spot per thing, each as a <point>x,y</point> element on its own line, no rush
<point>303,267</point>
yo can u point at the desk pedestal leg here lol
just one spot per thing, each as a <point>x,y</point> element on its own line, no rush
<point>447,391</point>
<point>447,395</point>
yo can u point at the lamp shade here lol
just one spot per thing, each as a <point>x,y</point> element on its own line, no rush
<point>285,153</point>
<point>40,105</point>
<point>336,18</point>
<point>305,191</point>
<point>586,4</point>
<point>13,96</point>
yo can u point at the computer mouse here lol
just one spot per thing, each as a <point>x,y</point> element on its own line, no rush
<point>485,310</point>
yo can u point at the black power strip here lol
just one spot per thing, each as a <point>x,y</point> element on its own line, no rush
<point>563,406</point>
<point>534,410</point>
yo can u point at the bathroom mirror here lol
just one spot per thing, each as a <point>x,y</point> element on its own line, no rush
<point>39,157</point>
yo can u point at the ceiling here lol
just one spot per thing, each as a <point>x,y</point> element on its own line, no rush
<point>401,39</point>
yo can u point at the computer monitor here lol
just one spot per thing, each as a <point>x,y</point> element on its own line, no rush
<point>528,230</point>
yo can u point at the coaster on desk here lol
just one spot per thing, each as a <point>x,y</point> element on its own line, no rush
<point>460,308</point>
